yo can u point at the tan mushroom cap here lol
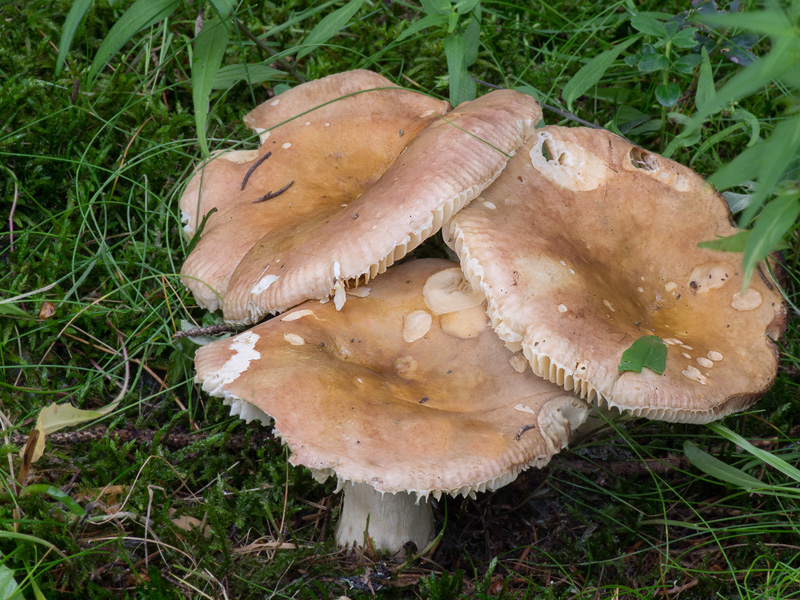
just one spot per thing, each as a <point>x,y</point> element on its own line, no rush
<point>584,250</point>
<point>443,168</point>
<point>342,140</point>
<point>351,395</point>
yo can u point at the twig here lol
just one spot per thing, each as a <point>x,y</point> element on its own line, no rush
<point>258,42</point>
<point>254,167</point>
<point>13,208</point>
<point>144,437</point>
<point>210,330</point>
<point>270,194</point>
<point>558,111</point>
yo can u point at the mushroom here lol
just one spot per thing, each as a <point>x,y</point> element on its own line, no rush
<point>334,226</point>
<point>404,394</point>
<point>585,243</point>
<point>331,139</point>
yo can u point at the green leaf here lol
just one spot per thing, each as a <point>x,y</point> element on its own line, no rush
<point>209,49</point>
<point>776,155</point>
<point>329,26</point>
<point>224,7</point>
<point>75,15</point>
<point>775,219</point>
<point>648,351</point>
<point>435,7</point>
<point>652,62</point>
<point>12,310</point>
<point>731,243</point>
<point>462,87</point>
<point>140,15</point>
<point>716,468</point>
<point>685,38</point>
<point>668,94</point>
<point>466,6</point>
<point>765,22</point>
<point>472,40</point>
<point>686,64</point>
<point>592,72</point>
<point>706,92</point>
<point>423,23</point>
<point>49,490</point>
<point>229,75</point>
<point>649,25</point>
<point>8,585</point>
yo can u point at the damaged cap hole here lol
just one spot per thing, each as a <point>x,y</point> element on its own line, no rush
<point>641,159</point>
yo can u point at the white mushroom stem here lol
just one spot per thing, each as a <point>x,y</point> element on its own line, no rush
<point>390,520</point>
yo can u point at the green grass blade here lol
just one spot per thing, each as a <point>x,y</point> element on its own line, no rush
<point>775,462</point>
<point>777,217</point>
<point>329,26</point>
<point>711,465</point>
<point>42,488</point>
<point>229,75</point>
<point>209,49</point>
<point>767,22</point>
<point>423,23</point>
<point>592,72</point>
<point>141,14</point>
<point>75,15</point>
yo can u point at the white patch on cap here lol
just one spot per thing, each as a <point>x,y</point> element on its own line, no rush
<point>687,355</point>
<point>489,205</point>
<point>714,355</point>
<point>416,325</point>
<point>686,347</point>
<point>562,308</point>
<point>308,122</point>
<point>360,292</point>
<point>608,305</point>
<point>294,339</point>
<point>640,289</point>
<point>298,314</point>
<point>286,145</point>
<point>244,347</point>
<point>705,278</point>
<point>518,363</point>
<point>447,291</point>
<point>274,102</point>
<point>694,374</point>
<point>264,283</point>
<point>569,165</point>
<point>671,285</point>
<point>327,124</point>
<point>524,408</point>
<point>750,300</point>
<point>339,294</point>
<point>704,362</point>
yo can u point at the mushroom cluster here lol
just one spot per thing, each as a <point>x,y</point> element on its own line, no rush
<point>435,378</point>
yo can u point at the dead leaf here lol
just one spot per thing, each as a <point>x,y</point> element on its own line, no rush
<point>48,310</point>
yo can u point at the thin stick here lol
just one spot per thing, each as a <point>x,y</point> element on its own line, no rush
<point>270,195</point>
<point>210,330</point>
<point>254,167</point>
<point>258,42</point>
<point>558,111</point>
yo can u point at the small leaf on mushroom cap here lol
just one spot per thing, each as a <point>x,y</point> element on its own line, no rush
<point>587,249</point>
